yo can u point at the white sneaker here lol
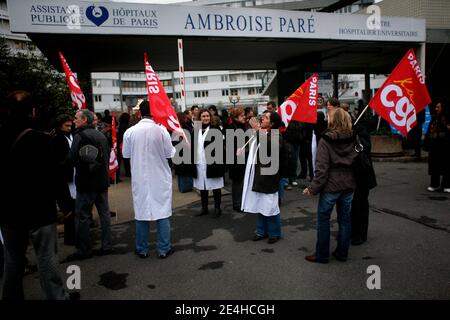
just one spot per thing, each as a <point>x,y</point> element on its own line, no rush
<point>294,183</point>
<point>447,190</point>
<point>431,189</point>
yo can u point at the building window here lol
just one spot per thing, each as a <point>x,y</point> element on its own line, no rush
<point>97,98</point>
<point>233,77</point>
<point>251,91</point>
<point>224,78</point>
<point>116,83</point>
<point>133,84</point>
<point>98,83</point>
<point>116,98</point>
<point>201,94</point>
<point>259,90</point>
<point>234,92</point>
<point>250,76</point>
<point>198,80</point>
<point>225,92</point>
<point>177,95</point>
<point>166,83</point>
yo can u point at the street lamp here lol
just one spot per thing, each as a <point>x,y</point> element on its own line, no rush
<point>234,100</point>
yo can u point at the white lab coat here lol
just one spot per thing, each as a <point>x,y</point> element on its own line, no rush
<point>202,182</point>
<point>149,146</point>
<point>257,202</point>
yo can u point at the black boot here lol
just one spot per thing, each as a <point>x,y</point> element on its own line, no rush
<point>204,197</point>
<point>217,201</point>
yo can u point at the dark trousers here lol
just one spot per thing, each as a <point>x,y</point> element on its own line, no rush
<point>236,192</point>
<point>217,198</point>
<point>360,214</point>
<point>436,181</point>
<point>415,136</point>
<point>2,259</point>
<point>306,161</point>
<point>295,156</point>
<point>67,206</point>
<point>127,166</point>
<point>45,246</point>
<point>69,227</point>
<point>83,207</point>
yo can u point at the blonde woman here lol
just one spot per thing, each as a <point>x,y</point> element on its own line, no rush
<point>333,179</point>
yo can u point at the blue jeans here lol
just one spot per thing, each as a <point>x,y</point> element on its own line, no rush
<point>283,182</point>
<point>270,226</point>
<point>327,200</point>
<point>163,236</point>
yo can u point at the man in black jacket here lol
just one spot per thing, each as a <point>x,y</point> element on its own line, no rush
<point>66,193</point>
<point>28,201</point>
<point>92,184</point>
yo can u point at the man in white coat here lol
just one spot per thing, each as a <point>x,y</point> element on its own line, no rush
<point>149,147</point>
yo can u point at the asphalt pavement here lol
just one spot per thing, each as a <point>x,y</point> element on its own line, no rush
<point>215,258</point>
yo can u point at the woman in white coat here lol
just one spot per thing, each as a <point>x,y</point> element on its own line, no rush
<point>209,174</point>
<point>260,192</point>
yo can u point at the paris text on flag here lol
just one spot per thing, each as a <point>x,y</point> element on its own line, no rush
<point>160,107</point>
<point>302,104</point>
<point>78,99</point>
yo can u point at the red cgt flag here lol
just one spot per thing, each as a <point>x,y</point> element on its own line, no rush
<point>160,106</point>
<point>402,95</point>
<point>78,99</point>
<point>302,104</point>
<point>113,163</point>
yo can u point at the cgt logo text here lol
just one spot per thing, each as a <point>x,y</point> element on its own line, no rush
<point>401,98</point>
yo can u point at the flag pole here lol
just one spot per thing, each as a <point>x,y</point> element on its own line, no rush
<point>359,117</point>
<point>379,121</point>
<point>115,192</point>
<point>181,71</point>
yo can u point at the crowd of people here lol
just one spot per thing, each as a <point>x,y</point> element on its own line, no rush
<point>326,152</point>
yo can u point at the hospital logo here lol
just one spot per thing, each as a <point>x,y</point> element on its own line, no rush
<point>97,14</point>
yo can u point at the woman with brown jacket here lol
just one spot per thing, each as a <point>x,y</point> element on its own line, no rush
<point>334,181</point>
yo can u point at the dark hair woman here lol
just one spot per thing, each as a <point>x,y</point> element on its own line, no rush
<point>236,170</point>
<point>209,173</point>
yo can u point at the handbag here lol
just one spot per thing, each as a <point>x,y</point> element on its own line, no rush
<point>362,167</point>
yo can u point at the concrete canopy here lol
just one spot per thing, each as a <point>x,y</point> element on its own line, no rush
<point>100,53</point>
<point>112,36</point>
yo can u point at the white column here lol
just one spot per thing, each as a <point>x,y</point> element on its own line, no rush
<point>422,58</point>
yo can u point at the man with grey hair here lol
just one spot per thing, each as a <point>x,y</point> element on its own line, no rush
<point>92,182</point>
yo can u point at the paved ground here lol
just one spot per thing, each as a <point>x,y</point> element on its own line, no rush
<point>409,239</point>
